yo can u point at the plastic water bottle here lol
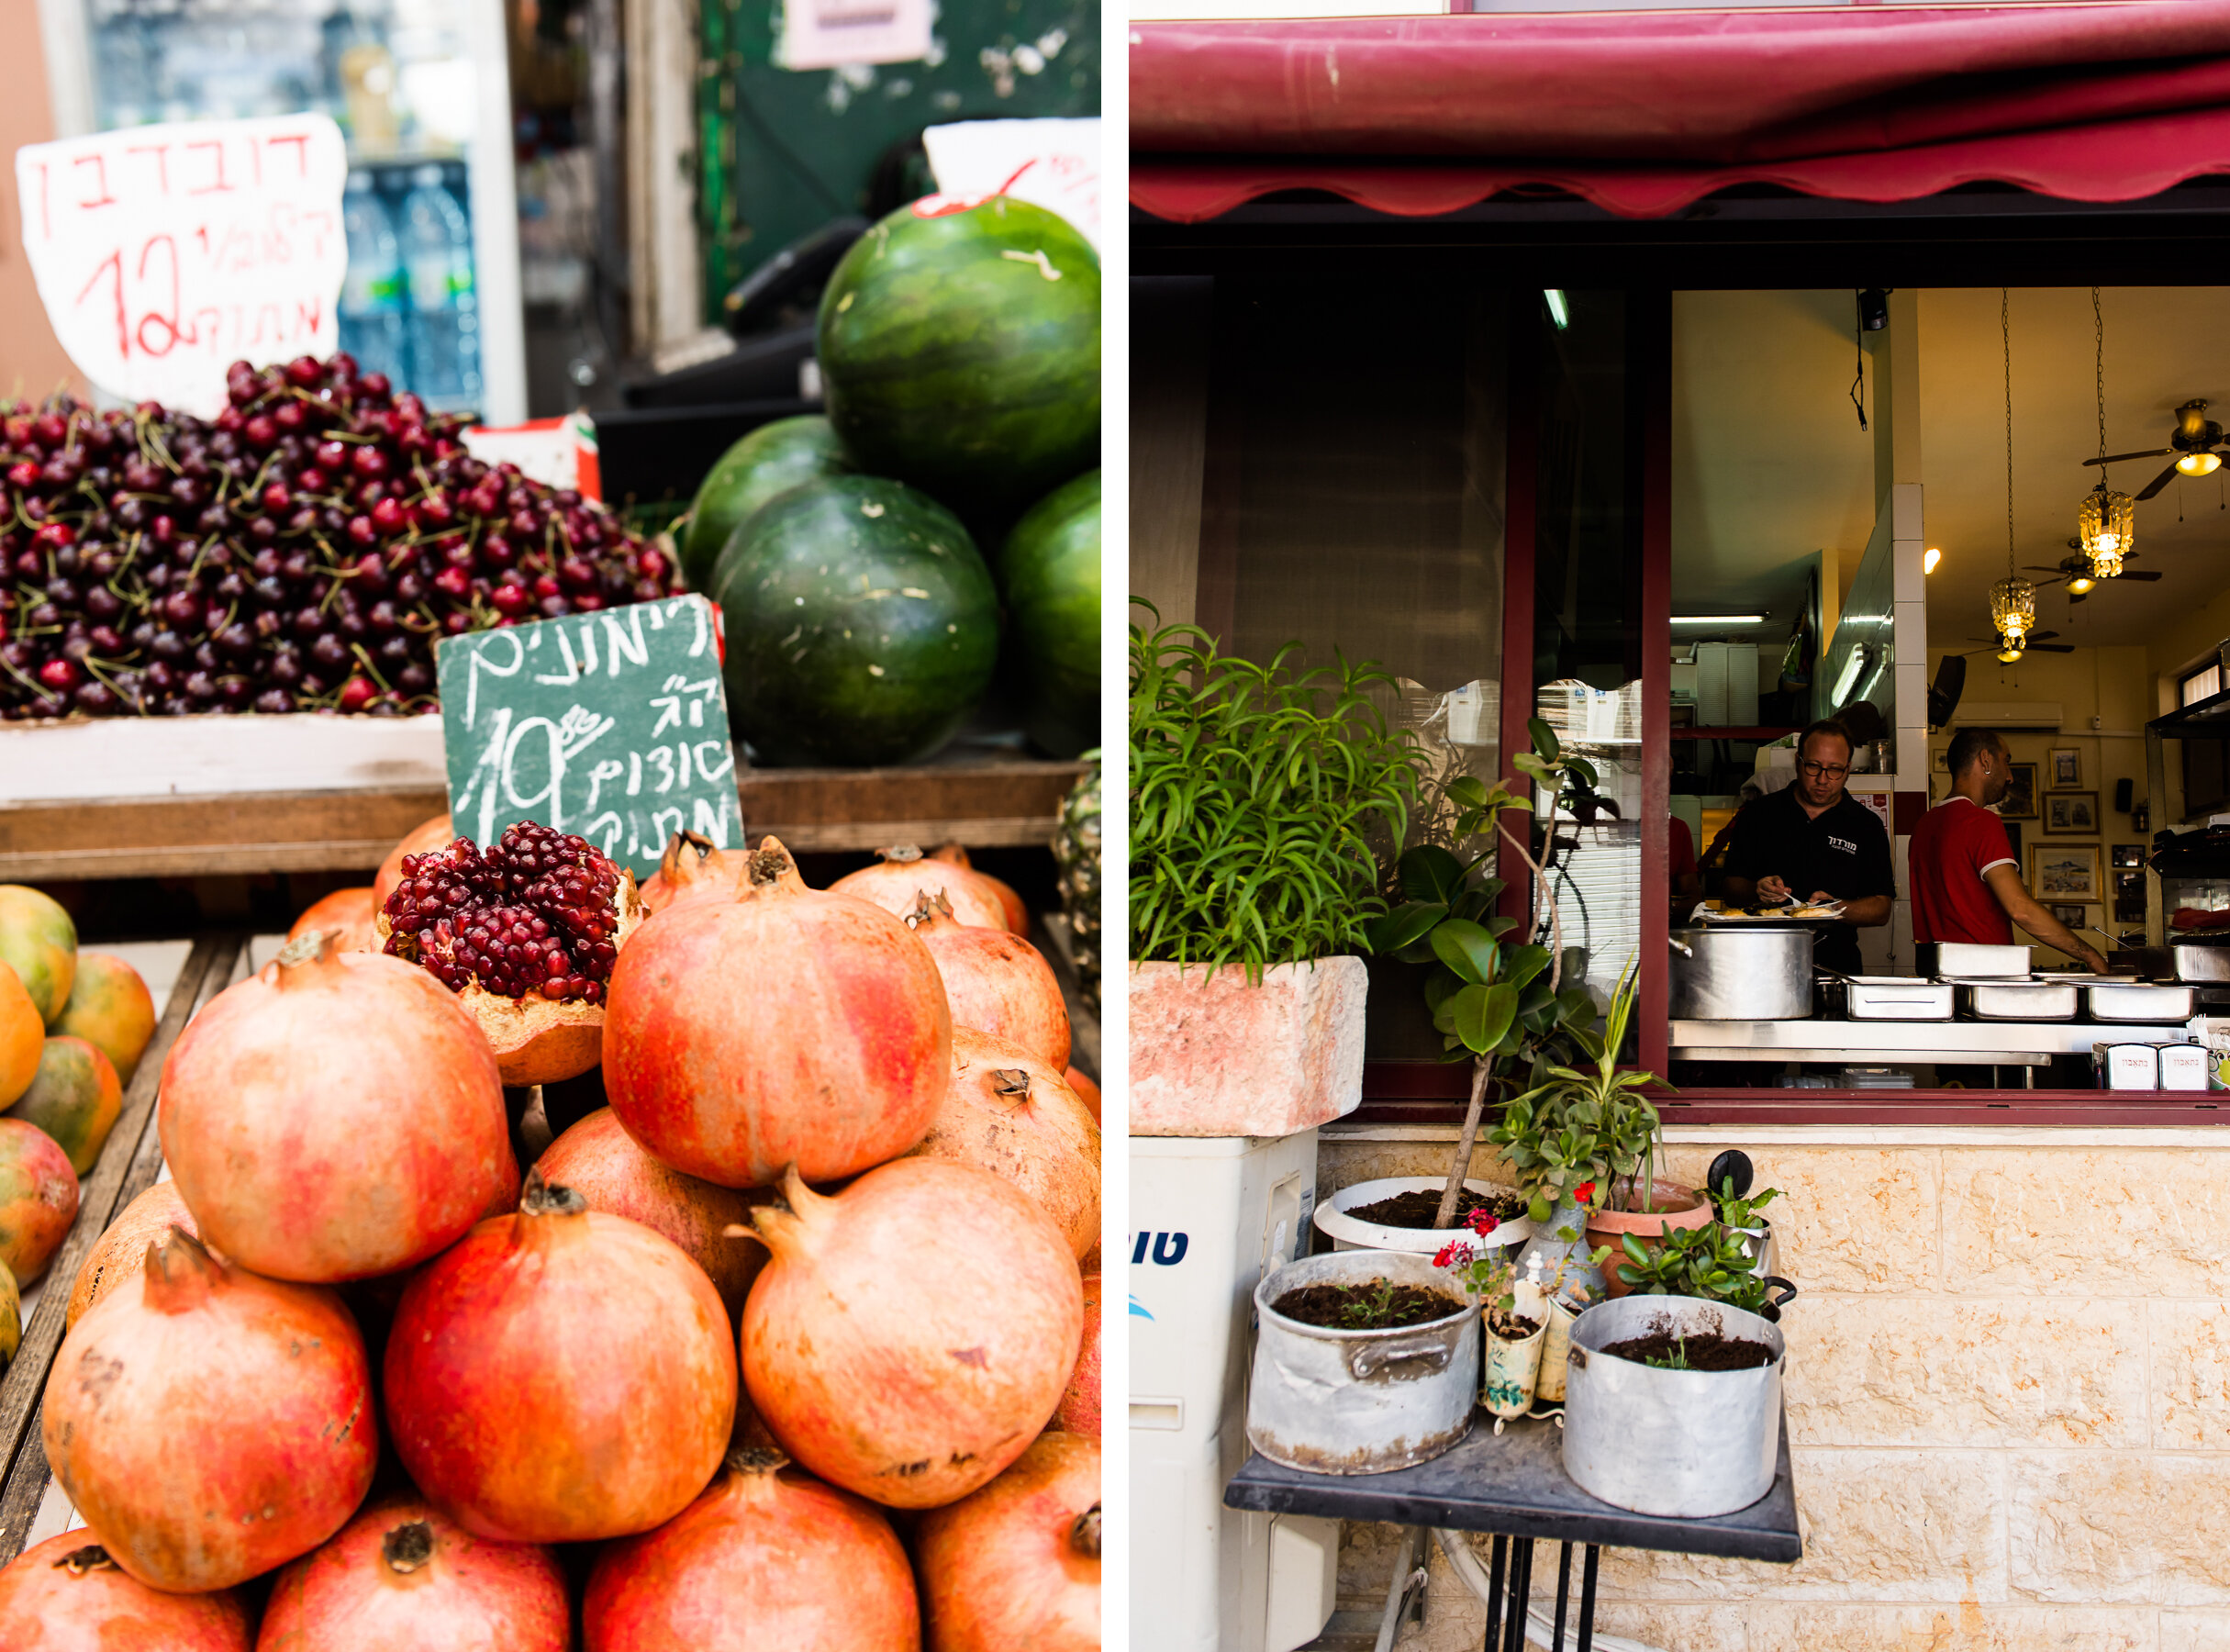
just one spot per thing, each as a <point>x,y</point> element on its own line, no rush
<point>438,252</point>
<point>372,293</point>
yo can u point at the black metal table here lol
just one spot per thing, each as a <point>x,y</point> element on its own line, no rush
<point>1513,1486</point>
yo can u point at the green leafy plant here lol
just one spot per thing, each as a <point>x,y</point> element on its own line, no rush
<point>1710,1262</point>
<point>1495,996</point>
<point>1675,1361</point>
<point>1740,1213</point>
<point>1255,793</point>
<point>1364,1311</point>
<point>1584,1129</point>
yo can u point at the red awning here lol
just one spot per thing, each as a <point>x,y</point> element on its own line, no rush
<point>1644,113</point>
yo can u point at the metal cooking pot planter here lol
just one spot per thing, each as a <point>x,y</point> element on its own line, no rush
<point>1741,972</point>
<point>1360,1401</point>
<point>1689,1443</point>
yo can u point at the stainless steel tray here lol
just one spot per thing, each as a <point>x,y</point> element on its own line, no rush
<point>1888,997</point>
<point>2193,962</point>
<point>2016,1000</point>
<point>1962,960</point>
<point>2137,1001</point>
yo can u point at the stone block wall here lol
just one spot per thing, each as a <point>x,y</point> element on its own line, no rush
<point>2008,1393</point>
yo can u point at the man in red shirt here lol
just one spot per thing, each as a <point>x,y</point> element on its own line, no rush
<point>1965,885</point>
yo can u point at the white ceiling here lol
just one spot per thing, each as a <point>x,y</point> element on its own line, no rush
<point>1770,464</point>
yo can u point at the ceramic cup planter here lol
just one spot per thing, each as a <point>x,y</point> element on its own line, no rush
<point>1675,1207</point>
<point>1691,1444</point>
<point>1556,1349</point>
<point>1513,1366</point>
<point>1360,1401</point>
<point>1350,1232</point>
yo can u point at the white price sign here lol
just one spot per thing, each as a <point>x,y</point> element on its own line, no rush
<point>1050,162</point>
<point>165,254</point>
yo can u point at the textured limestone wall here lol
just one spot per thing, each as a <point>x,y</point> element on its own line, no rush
<point>2009,1398</point>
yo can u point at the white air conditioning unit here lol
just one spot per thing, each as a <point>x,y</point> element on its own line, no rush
<point>2006,714</point>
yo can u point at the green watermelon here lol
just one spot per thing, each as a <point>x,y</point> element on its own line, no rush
<point>1050,571</point>
<point>772,459</point>
<point>862,625</point>
<point>960,352</point>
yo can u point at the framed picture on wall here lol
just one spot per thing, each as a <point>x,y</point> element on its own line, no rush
<point>2071,813</point>
<point>2128,897</point>
<point>2074,917</point>
<point>2067,769</point>
<point>2128,855</point>
<point>2065,871</point>
<point>2013,836</point>
<point>2020,800</point>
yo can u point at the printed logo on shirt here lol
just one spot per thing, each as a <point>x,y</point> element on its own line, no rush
<point>1842,844</point>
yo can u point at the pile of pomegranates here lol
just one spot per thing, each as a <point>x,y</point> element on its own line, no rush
<point>301,551</point>
<point>669,1347</point>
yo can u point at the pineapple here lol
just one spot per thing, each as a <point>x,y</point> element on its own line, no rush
<point>1076,848</point>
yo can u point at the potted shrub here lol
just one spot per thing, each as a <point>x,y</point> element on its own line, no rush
<point>1500,1002</point>
<point>1673,1397</point>
<point>1255,793</point>
<point>1365,1361</point>
<point>1584,1145</point>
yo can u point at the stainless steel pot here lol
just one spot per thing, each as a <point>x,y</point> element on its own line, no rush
<point>1689,1443</point>
<point>2017,1001</point>
<point>1741,972</point>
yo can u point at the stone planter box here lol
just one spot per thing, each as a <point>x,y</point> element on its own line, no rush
<point>1214,1056</point>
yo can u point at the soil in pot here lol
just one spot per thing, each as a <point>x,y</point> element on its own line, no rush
<point>1381,1305</point>
<point>1707,1351</point>
<point>1417,1210</point>
<point>1511,1327</point>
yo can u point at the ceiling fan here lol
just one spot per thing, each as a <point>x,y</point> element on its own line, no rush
<point>2194,443</point>
<point>2076,571</point>
<point>2035,643</point>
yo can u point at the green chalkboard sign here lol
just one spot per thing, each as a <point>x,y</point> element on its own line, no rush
<point>610,725</point>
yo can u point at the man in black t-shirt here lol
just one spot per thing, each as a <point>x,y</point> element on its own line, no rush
<point>1813,841</point>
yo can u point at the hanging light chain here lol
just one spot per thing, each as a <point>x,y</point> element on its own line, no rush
<point>2098,319</point>
<point>2005,335</point>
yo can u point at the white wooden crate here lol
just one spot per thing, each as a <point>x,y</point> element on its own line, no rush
<point>216,755</point>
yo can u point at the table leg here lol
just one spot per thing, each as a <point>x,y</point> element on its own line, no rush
<point>1564,1590</point>
<point>1586,1602</point>
<point>1521,1591</point>
<point>1494,1595</point>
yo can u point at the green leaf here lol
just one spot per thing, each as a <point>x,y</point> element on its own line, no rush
<point>1537,1209</point>
<point>1483,1016</point>
<point>1581,770</point>
<point>1498,926</point>
<point>1544,738</point>
<point>1406,924</point>
<point>1632,1247</point>
<point>1430,873</point>
<point>1466,949</point>
<point>1526,763</point>
<point>1467,791</point>
<point>1522,964</point>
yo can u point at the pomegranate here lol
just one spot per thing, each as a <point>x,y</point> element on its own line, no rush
<point>789,1026</point>
<point>525,934</point>
<point>1018,915</point>
<point>210,1424</point>
<point>67,1595</point>
<point>111,1010</point>
<point>1018,1563</point>
<point>561,1376</point>
<point>350,914</point>
<point>120,1251</point>
<point>1009,1113</point>
<point>912,1333</point>
<point>75,1100</point>
<point>1087,1091</point>
<point>38,1198</point>
<point>997,983</point>
<point>400,1578</point>
<point>765,1558</point>
<point>896,882</point>
<point>601,1162</point>
<point>430,834</point>
<point>1078,1411</point>
<point>692,869</point>
<point>336,1116</point>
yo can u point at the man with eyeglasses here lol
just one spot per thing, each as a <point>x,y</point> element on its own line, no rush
<point>1811,841</point>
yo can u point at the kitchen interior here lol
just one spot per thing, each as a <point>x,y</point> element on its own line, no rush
<point>1851,538</point>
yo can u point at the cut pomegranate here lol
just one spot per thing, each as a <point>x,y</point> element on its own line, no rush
<point>526,931</point>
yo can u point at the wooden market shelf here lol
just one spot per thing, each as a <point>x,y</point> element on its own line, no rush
<point>982,803</point>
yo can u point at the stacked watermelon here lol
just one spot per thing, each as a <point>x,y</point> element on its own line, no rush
<point>960,346</point>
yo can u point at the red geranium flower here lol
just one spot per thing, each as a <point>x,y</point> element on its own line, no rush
<point>1585,1192</point>
<point>1482,1222</point>
<point>1454,1254</point>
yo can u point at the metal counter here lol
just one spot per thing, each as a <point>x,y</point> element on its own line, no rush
<point>1889,1043</point>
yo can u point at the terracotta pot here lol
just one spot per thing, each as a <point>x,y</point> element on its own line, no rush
<point>1679,1207</point>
